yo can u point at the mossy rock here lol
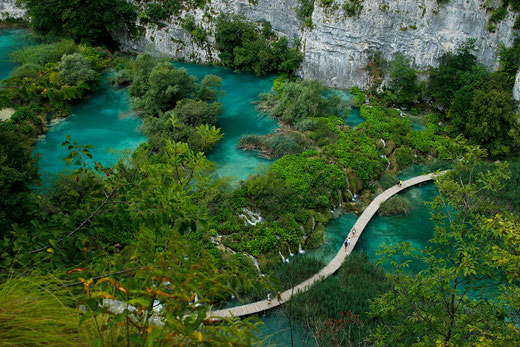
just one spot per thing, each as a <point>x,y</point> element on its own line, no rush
<point>316,237</point>
<point>354,182</point>
<point>390,147</point>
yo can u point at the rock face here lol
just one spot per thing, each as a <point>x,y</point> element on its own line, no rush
<point>9,9</point>
<point>337,48</point>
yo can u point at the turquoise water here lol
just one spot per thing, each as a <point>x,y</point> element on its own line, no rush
<point>354,118</point>
<point>10,40</point>
<point>104,121</point>
<point>239,118</point>
<point>276,332</point>
<point>416,228</point>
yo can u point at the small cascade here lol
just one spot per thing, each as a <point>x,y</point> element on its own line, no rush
<point>388,161</point>
<point>383,141</point>
<point>250,217</point>
<point>291,254</point>
<point>255,262</point>
<point>300,249</point>
<point>284,260</point>
<point>313,222</point>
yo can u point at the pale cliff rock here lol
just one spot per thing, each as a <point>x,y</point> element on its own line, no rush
<point>8,9</point>
<point>337,48</point>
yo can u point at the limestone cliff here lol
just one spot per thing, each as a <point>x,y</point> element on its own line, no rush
<point>337,47</point>
<point>9,9</point>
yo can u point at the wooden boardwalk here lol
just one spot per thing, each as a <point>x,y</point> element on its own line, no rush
<point>333,266</point>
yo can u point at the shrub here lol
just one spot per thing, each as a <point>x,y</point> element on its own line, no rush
<point>243,45</point>
<point>75,68</point>
<point>396,205</point>
<point>404,157</point>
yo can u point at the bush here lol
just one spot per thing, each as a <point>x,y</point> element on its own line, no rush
<point>44,53</point>
<point>404,157</point>
<point>243,45</point>
<point>75,68</point>
<point>396,205</point>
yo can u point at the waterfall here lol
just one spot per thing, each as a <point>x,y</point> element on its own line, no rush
<point>388,161</point>
<point>313,222</point>
<point>283,258</point>
<point>250,217</point>
<point>300,250</point>
<point>255,262</point>
<point>383,141</point>
<point>291,254</point>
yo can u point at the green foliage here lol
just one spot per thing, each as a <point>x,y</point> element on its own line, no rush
<point>311,178</point>
<point>359,97</point>
<point>17,174</point>
<point>244,46</point>
<point>453,72</point>
<point>75,68</point>
<point>38,311</point>
<point>353,8</point>
<point>197,32</point>
<point>340,315</point>
<point>446,301</point>
<point>509,58</point>
<point>90,21</point>
<point>485,112</point>
<point>403,81</point>
<point>404,157</point>
<point>301,99</point>
<point>396,205</point>
<point>304,12</point>
<point>273,146</point>
<point>44,53</point>
<point>356,150</point>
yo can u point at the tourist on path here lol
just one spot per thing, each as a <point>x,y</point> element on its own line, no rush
<point>347,243</point>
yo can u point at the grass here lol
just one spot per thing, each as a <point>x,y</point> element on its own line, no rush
<point>36,311</point>
<point>335,310</point>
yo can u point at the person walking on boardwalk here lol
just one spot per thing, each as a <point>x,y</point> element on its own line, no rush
<point>347,243</point>
<point>269,298</point>
<point>353,231</point>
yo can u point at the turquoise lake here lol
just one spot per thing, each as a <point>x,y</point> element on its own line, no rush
<point>10,40</point>
<point>239,118</point>
<point>104,121</point>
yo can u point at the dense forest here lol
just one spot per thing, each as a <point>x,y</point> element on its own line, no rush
<point>140,252</point>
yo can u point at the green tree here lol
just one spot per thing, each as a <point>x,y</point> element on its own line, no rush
<point>403,80</point>
<point>17,174</point>
<point>75,68</point>
<point>448,301</point>
<point>84,21</point>
<point>485,113</point>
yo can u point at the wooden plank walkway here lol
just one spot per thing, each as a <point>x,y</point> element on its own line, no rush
<point>333,266</point>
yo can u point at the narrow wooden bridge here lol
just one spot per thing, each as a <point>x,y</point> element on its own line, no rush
<point>333,266</point>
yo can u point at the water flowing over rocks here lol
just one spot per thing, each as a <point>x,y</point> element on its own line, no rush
<point>8,9</point>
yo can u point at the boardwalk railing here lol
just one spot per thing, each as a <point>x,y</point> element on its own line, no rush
<point>333,266</point>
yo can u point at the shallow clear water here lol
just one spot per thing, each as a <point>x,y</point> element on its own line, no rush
<point>416,228</point>
<point>276,332</point>
<point>104,121</point>
<point>10,40</point>
<point>239,118</point>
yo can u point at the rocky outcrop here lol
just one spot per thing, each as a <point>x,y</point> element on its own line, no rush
<point>8,9</point>
<point>337,48</point>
